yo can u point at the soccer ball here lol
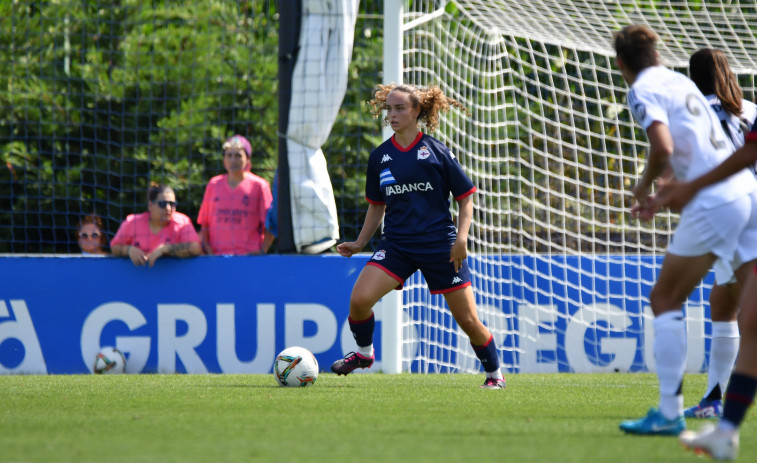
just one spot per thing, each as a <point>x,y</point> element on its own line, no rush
<point>295,367</point>
<point>109,361</point>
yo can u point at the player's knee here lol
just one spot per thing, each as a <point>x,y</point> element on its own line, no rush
<point>361,304</point>
<point>470,324</point>
<point>662,300</point>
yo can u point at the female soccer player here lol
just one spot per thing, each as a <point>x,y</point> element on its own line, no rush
<point>161,231</point>
<point>685,139</point>
<point>722,441</point>
<point>709,70</point>
<point>408,184</point>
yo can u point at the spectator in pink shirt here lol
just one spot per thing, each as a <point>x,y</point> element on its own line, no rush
<point>161,231</point>
<point>234,207</point>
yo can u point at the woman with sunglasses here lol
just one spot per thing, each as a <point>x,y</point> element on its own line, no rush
<point>90,237</point>
<point>161,231</point>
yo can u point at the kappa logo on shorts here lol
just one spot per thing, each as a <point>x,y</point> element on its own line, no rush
<point>424,152</point>
<point>386,158</point>
<point>379,255</point>
<point>456,280</point>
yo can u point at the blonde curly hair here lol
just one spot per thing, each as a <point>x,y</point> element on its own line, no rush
<point>430,100</point>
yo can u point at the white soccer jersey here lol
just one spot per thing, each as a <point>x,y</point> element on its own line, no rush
<point>700,144</point>
<point>735,126</point>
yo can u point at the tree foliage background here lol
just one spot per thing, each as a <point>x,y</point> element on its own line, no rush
<point>100,98</point>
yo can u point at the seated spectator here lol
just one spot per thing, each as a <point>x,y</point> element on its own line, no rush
<point>161,231</point>
<point>233,210</point>
<point>90,236</point>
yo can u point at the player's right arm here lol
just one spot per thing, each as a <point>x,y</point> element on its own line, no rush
<point>373,219</point>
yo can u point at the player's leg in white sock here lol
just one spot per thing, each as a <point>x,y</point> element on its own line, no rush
<point>723,350</point>
<point>670,357</point>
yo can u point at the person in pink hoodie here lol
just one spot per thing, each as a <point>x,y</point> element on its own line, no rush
<point>233,210</point>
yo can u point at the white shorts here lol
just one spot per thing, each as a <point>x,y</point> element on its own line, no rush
<point>724,272</point>
<point>728,231</point>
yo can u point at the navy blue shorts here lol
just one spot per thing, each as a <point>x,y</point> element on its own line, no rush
<point>438,271</point>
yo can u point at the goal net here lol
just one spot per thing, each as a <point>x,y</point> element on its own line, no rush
<point>561,272</point>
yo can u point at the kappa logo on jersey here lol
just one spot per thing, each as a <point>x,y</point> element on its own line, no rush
<point>456,280</point>
<point>424,152</point>
<point>386,158</point>
<point>379,255</point>
<point>386,178</point>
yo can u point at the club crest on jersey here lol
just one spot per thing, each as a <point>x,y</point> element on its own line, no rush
<point>379,255</point>
<point>424,152</point>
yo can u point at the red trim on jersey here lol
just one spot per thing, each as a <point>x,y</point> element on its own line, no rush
<point>751,136</point>
<point>466,194</point>
<point>388,273</point>
<point>449,290</point>
<point>410,146</point>
<point>377,203</point>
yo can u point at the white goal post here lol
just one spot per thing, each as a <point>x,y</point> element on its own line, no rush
<point>561,272</point>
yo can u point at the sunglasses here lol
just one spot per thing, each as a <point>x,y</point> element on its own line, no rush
<point>163,204</point>
<point>86,236</point>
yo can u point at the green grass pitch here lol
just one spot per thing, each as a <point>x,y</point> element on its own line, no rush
<point>358,418</point>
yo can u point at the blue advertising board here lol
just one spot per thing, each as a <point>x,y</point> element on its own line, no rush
<point>215,314</point>
<point>209,314</point>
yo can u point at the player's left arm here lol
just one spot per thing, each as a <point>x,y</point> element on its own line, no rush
<point>459,250</point>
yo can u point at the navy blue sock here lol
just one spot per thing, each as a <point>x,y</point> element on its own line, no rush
<point>487,354</point>
<point>363,330</point>
<point>739,395</point>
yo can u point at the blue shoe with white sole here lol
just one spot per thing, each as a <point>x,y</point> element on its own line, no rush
<point>654,424</point>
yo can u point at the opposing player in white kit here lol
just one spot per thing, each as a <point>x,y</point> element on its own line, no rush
<point>709,70</point>
<point>685,140</point>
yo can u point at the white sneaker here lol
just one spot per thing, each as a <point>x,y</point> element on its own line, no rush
<point>712,441</point>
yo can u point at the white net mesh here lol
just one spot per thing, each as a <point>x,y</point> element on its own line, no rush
<point>561,272</point>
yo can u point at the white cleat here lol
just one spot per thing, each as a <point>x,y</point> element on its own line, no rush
<point>712,441</point>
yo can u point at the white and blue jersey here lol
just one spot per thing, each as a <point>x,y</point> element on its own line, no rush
<point>415,184</point>
<point>735,126</point>
<point>662,95</point>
